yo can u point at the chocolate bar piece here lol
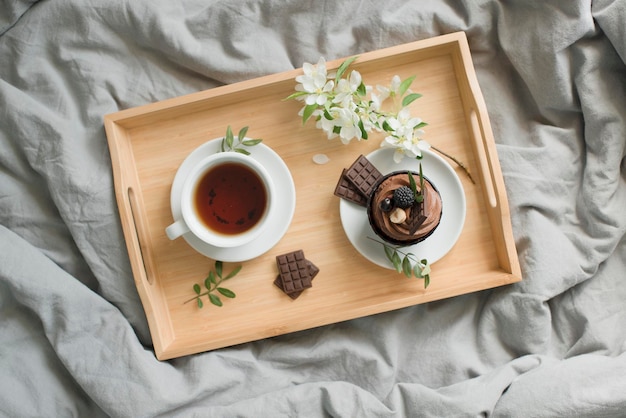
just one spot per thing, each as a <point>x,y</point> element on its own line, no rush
<point>363,175</point>
<point>293,271</point>
<point>313,270</point>
<point>418,214</point>
<point>346,190</point>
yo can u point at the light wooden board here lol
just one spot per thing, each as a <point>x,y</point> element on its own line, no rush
<point>148,143</point>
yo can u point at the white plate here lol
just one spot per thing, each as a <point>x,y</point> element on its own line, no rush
<point>357,227</point>
<point>279,221</point>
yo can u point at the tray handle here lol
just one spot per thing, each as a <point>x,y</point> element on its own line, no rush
<point>138,234</point>
<point>493,185</point>
<point>484,160</point>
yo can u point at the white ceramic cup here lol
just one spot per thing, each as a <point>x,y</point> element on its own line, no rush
<point>190,222</point>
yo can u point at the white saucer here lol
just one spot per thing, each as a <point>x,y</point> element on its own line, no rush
<point>357,227</point>
<point>279,221</point>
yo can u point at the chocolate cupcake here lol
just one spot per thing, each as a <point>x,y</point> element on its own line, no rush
<point>396,215</point>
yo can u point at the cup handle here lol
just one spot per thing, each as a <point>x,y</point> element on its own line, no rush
<point>176,229</point>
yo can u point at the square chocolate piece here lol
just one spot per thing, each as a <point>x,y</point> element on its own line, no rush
<point>363,175</point>
<point>346,190</point>
<point>293,271</point>
<point>418,214</point>
<point>313,270</point>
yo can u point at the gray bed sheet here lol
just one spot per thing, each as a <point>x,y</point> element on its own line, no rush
<point>74,339</point>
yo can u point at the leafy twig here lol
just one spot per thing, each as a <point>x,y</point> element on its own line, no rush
<point>212,284</point>
<point>230,143</point>
<point>459,163</point>
<point>419,196</point>
<point>420,270</point>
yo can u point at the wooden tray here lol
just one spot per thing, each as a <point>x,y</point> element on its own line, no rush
<point>148,143</point>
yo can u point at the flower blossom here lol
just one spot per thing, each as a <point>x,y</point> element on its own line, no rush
<point>392,90</point>
<point>344,122</point>
<point>314,81</point>
<point>404,136</point>
<point>346,89</point>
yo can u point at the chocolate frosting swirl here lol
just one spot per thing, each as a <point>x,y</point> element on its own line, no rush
<point>399,233</point>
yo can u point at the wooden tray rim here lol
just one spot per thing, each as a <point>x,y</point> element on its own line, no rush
<point>454,44</point>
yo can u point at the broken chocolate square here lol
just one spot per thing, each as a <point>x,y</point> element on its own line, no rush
<point>418,214</point>
<point>346,190</point>
<point>363,175</point>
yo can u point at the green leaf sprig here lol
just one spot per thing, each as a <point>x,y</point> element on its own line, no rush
<point>212,284</point>
<point>230,143</point>
<point>402,263</point>
<point>419,196</point>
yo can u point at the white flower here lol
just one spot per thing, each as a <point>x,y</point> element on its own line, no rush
<point>376,102</point>
<point>328,125</point>
<point>345,121</point>
<point>370,114</point>
<point>392,90</point>
<point>314,81</point>
<point>403,124</point>
<point>349,126</point>
<point>404,137</point>
<point>346,89</point>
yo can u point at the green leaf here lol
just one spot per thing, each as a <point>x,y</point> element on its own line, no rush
<point>337,130</point>
<point>410,99</point>
<point>234,272</point>
<point>242,133</point>
<point>344,66</point>
<point>296,94</point>
<point>218,268</point>
<point>252,142</point>
<point>426,281</point>
<point>207,282</point>
<point>406,266</point>
<point>211,277</point>
<point>362,128</point>
<point>417,270</point>
<point>421,178</point>
<point>404,86</point>
<point>387,127</point>
<point>421,125</point>
<point>226,292</point>
<point>308,111</point>
<point>199,302</point>
<point>242,151</point>
<point>327,114</point>
<point>229,137</point>
<point>397,263</point>
<point>196,288</point>
<point>389,252</point>
<point>412,183</point>
<point>361,90</point>
<point>215,300</point>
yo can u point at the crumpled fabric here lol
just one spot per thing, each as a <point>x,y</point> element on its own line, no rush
<point>74,340</point>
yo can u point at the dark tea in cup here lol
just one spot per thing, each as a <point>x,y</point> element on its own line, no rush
<point>225,201</point>
<point>230,198</point>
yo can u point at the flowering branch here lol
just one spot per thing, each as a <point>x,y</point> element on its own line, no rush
<point>349,109</point>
